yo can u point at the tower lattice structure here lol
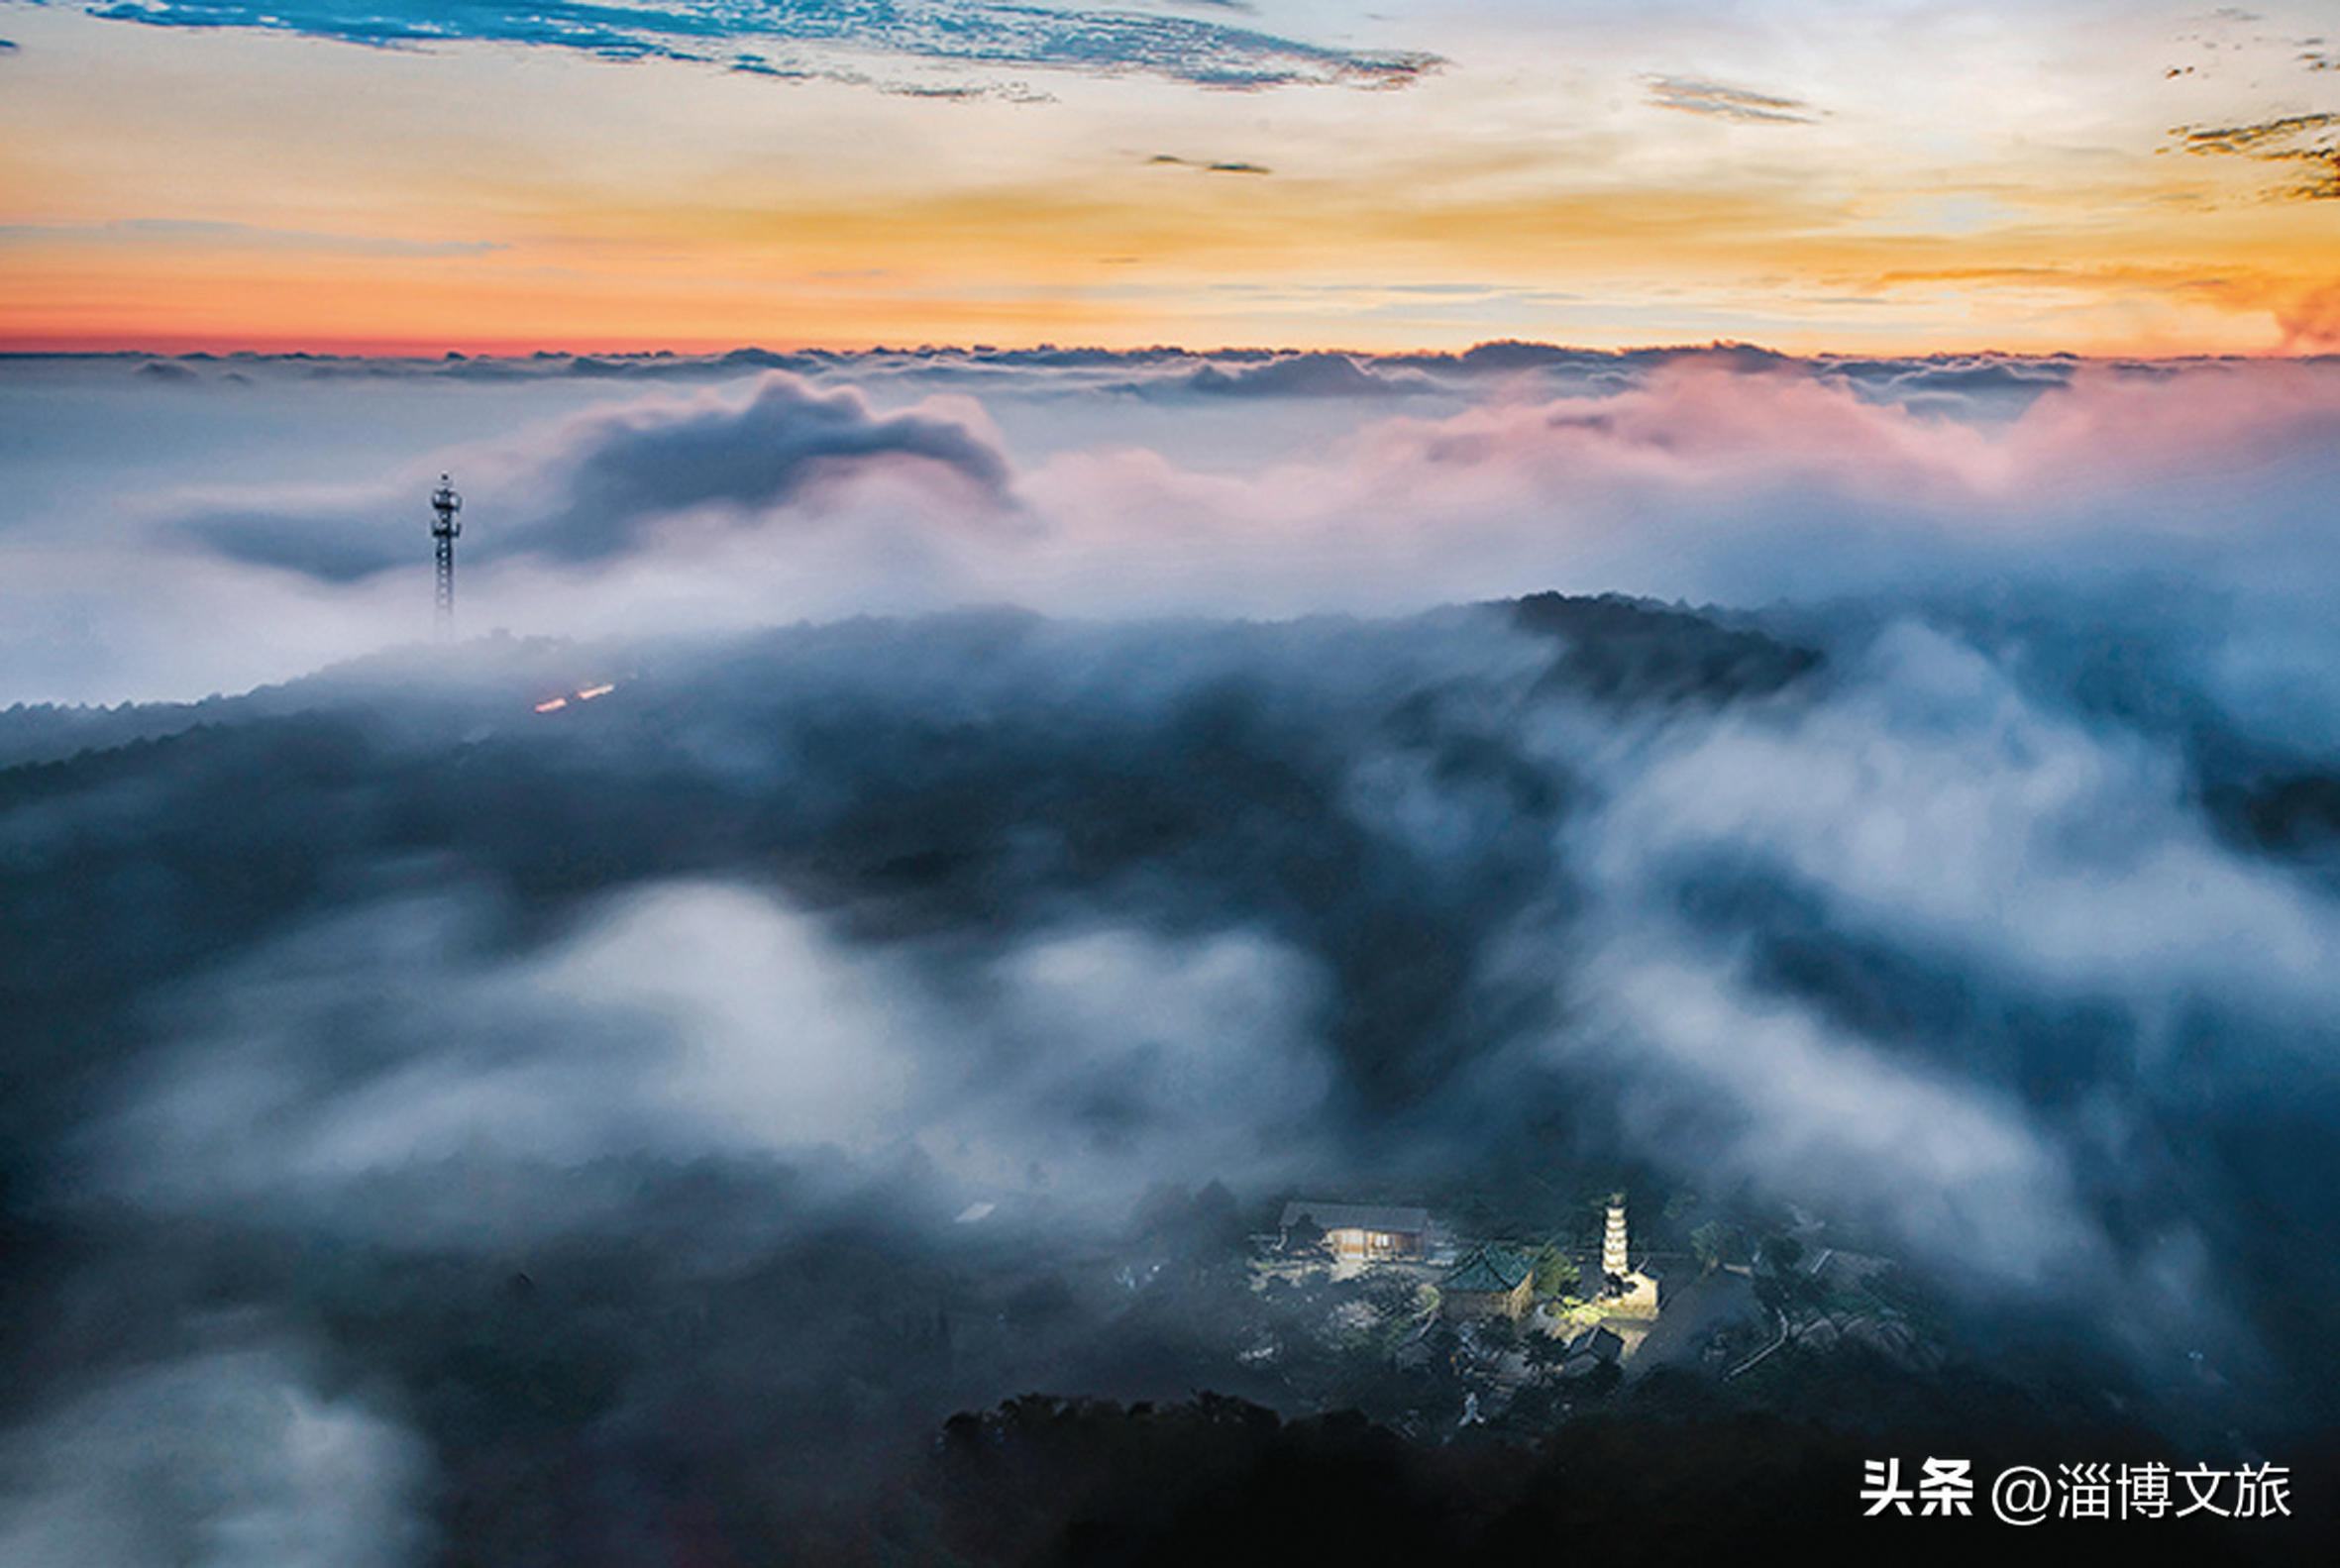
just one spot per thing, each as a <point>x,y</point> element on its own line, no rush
<point>444,529</point>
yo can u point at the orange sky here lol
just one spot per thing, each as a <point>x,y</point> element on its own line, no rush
<point>1963,177</point>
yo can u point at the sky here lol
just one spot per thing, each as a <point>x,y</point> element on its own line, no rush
<point>368,175</point>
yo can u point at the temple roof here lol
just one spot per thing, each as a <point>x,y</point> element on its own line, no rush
<point>1491,1268</point>
<point>1391,1217</point>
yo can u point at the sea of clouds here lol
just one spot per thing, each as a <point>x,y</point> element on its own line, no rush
<point>1034,782</point>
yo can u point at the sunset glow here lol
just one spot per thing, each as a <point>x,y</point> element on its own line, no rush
<point>1954,177</point>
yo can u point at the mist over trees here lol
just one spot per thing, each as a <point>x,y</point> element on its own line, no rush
<point>686,1123</point>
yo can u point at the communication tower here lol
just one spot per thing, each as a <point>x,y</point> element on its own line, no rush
<point>446,503</point>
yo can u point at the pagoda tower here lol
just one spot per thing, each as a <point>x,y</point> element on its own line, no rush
<point>1636,1294</point>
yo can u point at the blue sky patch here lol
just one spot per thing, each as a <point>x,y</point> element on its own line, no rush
<point>965,31</point>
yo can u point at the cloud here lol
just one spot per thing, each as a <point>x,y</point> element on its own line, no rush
<point>596,487</point>
<point>1698,481</point>
<point>1734,1088</point>
<point>596,1091</point>
<point>1099,483</point>
<point>1186,1056</point>
<point>968,34</point>
<point>1966,389</point>
<point>233,1458</point>
<point>1209,167</point>
<point>1951,996</point>
<point>1093,482</point>
<point>1939,804</point>
<point>1713,99</point>
<point>179,232</point>
<point>2277,138</point>
<point>2309,138</point>
<point>2312,321</point>
<point>372,1073</point>
<point>1304,376</point>
<point>623,470</point>
<point>378,1045</point>
<point>609,1082</point>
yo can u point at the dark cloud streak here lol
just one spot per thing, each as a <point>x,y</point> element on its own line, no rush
<point>760,455</point>
<point>616,475</point>
<point>971,34</point>
<point>2311,139</point>
<point>1717,101</point>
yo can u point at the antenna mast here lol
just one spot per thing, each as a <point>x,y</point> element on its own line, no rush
<point>446,503</point>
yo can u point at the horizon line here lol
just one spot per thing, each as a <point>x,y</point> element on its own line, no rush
<point>407,352</point>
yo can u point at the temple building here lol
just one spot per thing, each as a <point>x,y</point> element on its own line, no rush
<point>1360,1232</point>
<point>1493,1282</point>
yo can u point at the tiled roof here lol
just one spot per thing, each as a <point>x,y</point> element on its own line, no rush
<point>1356,1216</point>
<point>1492,1269</point>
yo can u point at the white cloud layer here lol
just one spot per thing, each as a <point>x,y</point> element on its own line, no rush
<point>221,1459</point>
<point>386,1051</point>
<point>1102,484</point>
